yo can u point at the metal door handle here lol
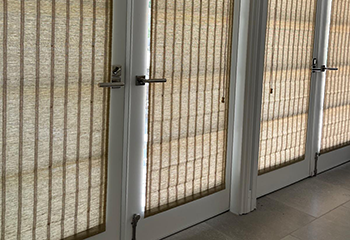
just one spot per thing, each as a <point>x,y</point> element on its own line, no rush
<point>323,69</point>
<point>112,85</point>
<point>329,68</point>
<point>116,81</point>
<point>141,80</point>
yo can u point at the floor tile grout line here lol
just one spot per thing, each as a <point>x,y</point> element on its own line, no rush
<point>228,237</point>
<point>335,185</point>
<point>301,228</point>
<point>308,213</point>
<point>341,205</point>
<point>317,219</point>
<point>317,180</point>
<point>293,236</point>
<point>345,204</point>
<point>291,233</point>
<point>291,207</point>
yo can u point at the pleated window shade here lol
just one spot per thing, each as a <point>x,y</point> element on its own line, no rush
<point>336,112</point>
<point>53,117</point>
<point>286,83</point>
<point>187,129</point>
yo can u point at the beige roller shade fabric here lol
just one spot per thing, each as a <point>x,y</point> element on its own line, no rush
<point>187,130</point>
<point>287,75</point>
<point>53,133</point>
<point>336,112</point>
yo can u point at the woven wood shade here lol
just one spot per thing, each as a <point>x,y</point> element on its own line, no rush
<point>187,131</point>
<point>287,75</point>
<point>53,118</point>
<point>336,112</point>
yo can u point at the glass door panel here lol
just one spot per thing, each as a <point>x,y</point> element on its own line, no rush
<point>187,116</point>
<point>286,83</point>
<point>336,108</point>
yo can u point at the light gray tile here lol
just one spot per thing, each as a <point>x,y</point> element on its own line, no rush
<point>335,225</point>
<point>345,167</point>
<point>336,177</point>
<point>199,232</point>
<point>272,220</point>
<point>347,205</point>
<point>312,196</point>
<point>290,237</point>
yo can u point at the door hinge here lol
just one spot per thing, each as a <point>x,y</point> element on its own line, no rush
<point>317,155</point>
<point>135,220</point>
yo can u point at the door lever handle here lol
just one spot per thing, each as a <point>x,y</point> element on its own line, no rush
<point>323,69</point>
<point>116,78</point>
<point>112,85</point>
<point>141,80</point>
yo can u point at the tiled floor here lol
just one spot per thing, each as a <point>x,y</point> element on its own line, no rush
<point>317,209</point>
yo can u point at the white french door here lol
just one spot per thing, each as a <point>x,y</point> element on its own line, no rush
<point>334,144</point>
<point>304,112</point>
<point>177,172</point>
<point>287,93</point>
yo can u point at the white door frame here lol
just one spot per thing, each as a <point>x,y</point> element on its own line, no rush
<point>240,184</point>
<point>245,59</point>
<point>252,31</point>
<point>116,129</point>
